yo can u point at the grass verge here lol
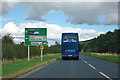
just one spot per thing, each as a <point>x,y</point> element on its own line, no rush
<point>21,67</point>
<point>110,58</point>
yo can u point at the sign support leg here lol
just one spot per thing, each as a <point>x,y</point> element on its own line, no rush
<point>41,54</point>
<point>28,52</point>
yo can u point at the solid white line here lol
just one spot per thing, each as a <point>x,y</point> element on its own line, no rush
<point>91,66</point>
<point>105,75</point>
<point>24,75</point>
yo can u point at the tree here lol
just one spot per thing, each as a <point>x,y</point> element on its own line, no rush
<point>7,39</point>
<point>56,43</point>
<point>109,42</point>
<point>22,43</point>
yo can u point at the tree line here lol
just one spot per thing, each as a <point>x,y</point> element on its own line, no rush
<point>105,43</point>
<point>12,51</point>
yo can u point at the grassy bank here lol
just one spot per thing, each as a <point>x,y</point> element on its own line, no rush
<point>110,58</point>
<point>20,67</point>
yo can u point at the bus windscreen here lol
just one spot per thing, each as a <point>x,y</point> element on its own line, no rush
<point>70,36</point>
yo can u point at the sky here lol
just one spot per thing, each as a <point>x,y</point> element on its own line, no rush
<point>88,19</point>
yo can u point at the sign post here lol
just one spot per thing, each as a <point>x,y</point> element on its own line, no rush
<point>28,52</point>
<point>41,47</point>
<point>41,54</point>
<point>36,37</point>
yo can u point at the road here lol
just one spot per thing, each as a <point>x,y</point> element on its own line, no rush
<point>85,67</point>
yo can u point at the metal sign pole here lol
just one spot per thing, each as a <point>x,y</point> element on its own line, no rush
<point>28,52</point>
<point>41,54</point>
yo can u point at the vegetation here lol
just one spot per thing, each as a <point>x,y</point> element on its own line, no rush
<point>110,58</point>
<point>12,51</point>
<point>105,43</point>
<point>14,56</point>
<point>20,67</point>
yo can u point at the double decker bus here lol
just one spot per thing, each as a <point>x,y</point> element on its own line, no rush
<point>70,46</point>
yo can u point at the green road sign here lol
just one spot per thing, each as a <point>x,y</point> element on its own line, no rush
<point>36,36</point>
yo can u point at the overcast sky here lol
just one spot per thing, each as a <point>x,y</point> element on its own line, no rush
<point>89,19</point>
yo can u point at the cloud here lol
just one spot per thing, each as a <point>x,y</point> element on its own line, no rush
<point>10,27</point>
<point>76,12</point>
<point>51,42</point>
<point>53,31</point>
<point>60,0</point>
<point>6,19</point>
<point>6,6</point>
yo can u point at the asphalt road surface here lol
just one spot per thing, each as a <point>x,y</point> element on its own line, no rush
<point>85,67</point>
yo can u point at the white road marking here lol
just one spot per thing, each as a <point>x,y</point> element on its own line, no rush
<point>85,61</point>
<point>91,66</point>
<point>105,75</point>
<point>82,59</point>
<point>26,74</point>
<point>95,68</point>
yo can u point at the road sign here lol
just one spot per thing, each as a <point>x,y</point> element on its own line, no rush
<point>41,47</point>
<point>36,36</point>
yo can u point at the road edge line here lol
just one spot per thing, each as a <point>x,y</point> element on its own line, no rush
<point>28,73</point>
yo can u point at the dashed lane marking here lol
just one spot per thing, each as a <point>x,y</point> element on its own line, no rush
<point>95,68</point>
<point>91,66</point>
<point>105,75</point>
<point>81,59</point>
<point>85,61</point>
